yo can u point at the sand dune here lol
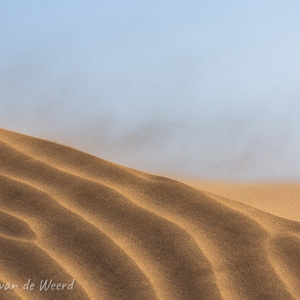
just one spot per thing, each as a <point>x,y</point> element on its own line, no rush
<point>124,234</point>
<point>279,198</point>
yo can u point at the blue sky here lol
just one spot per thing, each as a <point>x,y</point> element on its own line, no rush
<point>194,88</point>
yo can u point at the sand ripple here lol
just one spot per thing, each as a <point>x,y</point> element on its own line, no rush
<point>124,234</point>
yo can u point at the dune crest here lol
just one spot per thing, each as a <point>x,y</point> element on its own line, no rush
<point>124,234</point>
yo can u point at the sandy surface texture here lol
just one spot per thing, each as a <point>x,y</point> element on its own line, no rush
<point>124,234</point>
<point>279,198</point>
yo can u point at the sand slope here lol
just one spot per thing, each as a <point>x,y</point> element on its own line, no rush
<point>279,198</point>
<point>123,234</point>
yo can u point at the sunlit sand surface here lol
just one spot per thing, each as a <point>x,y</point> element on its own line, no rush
<point>279,198</point>
<point>124,234</point>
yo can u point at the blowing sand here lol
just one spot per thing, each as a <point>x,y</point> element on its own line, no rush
<point>124,234</point>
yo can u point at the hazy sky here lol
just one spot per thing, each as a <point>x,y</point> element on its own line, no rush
<point>195,88</point>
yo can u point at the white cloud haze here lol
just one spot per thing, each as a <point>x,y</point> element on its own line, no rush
<point>174,87</point>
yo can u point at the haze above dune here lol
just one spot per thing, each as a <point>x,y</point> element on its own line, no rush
<point>124,234</point>
<point>204,89</point>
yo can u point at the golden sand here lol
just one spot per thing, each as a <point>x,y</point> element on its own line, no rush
<point>278,198</point>
<point>124,234</point>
